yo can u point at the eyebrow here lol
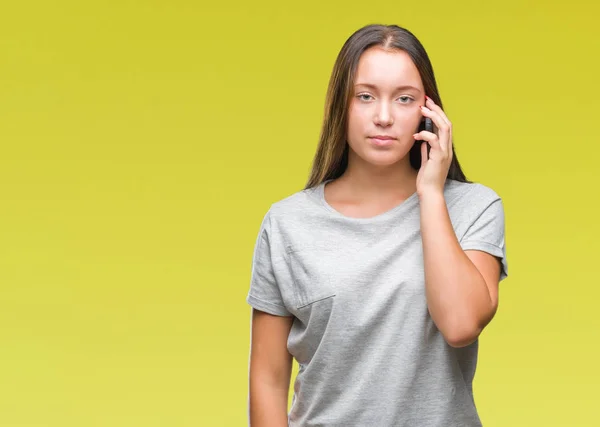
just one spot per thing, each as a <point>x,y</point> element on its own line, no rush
<point>403,87</point>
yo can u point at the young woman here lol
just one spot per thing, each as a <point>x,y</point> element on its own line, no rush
<point>380,275</point>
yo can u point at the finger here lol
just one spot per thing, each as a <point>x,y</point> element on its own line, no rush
<point>434,107</point>
<point>442,126</point>
<point>423,154</point>
<point>438,120</point>
<point>430,137</point>
<point>429,103</point>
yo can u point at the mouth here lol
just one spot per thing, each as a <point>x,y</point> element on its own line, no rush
<point>382,140</point>
<point>382,137</point>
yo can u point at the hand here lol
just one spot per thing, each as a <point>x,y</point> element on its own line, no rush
<point>434,170</point>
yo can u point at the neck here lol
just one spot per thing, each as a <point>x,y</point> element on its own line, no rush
<point>374,182</point>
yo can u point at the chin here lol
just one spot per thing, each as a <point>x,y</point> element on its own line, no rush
<point>382,160</point>
<point>383,157</point>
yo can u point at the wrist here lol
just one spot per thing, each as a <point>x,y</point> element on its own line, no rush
<point>430,194</point>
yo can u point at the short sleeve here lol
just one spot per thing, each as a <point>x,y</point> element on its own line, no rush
<point>264,293</point>
<point>486,233</point>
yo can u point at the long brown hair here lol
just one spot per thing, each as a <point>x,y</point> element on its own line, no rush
<point>331,158</point>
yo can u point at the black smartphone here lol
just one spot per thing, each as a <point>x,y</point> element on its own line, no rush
<point>427,125</point>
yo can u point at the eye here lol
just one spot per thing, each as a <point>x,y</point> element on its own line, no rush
<point>363,94</point>
<point>406,99</point>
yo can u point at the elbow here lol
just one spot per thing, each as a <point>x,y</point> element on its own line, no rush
<point>462,338</point>
<point>463,334</point>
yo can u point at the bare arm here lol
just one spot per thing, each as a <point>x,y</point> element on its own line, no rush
<point>270,370</point>
<point>461,286</point>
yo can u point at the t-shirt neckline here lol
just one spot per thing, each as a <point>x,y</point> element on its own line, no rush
<point>405,204</point>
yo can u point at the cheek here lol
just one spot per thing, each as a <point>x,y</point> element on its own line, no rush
<point>409,123</point>
<point>356,121</point>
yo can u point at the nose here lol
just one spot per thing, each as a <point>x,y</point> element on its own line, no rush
<point>383,117</point>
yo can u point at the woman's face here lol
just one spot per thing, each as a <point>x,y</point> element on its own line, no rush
<point>387,93</point>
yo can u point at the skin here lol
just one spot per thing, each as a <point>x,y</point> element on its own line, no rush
<point>270,370</point>
<point>378,178</point>
<point>461,286</point>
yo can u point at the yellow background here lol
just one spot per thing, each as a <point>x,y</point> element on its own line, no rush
<point>142,142</point>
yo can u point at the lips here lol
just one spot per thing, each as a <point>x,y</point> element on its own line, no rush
<point>382,140</point>
<point>382,137</point>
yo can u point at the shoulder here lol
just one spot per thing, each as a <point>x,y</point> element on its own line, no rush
<point>297,204</point>
<point>469,193</point>
<point>469,202</point>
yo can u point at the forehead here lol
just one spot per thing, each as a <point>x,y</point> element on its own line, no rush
<point>387,69</point>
